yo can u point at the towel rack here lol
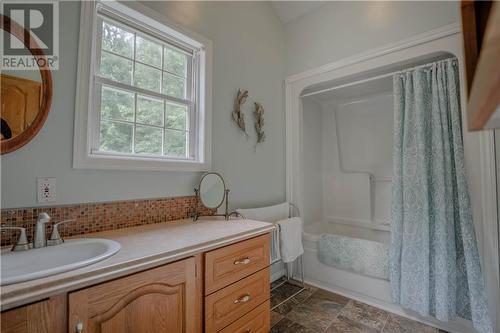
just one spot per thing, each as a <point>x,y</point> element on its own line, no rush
<point>289,269</point>
<point>292,211</point>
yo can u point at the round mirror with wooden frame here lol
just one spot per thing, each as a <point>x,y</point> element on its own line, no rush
<point>26,95</point>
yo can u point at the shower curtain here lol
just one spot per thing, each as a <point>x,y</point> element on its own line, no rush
<point>434,261</point>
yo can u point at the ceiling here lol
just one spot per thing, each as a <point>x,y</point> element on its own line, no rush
<point>289,10</point>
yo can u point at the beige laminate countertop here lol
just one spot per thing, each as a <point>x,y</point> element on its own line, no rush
<point>141,248</point>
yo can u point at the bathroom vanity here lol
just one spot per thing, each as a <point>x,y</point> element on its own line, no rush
<point>206,276</point>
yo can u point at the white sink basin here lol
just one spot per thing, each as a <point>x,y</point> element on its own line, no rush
<point>33,264</point>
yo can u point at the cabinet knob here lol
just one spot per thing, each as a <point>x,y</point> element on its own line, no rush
<point>248,330</point>
<point>244,261</point>
<point>243,299</point>
<point>79,327</point>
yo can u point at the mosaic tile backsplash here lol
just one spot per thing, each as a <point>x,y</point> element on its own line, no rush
<point>95,217</point>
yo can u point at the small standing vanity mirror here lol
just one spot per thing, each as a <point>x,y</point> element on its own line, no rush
<point>212,193</point>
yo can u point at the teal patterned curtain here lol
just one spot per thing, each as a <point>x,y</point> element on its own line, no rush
<point>434,261</point>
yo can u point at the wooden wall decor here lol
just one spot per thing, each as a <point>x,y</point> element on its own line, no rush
<point>259,123</point>
<point>238,116</point>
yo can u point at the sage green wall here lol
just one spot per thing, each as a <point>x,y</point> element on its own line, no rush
<point>248,53</point>
<point>340,29</point>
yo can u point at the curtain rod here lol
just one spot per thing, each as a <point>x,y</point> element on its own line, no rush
<point>352,83</point>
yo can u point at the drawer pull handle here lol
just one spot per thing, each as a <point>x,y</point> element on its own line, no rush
<point>243,299</point>
<point>245,261</point>
<point>79,327</point>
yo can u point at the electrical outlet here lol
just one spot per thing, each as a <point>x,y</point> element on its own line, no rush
<point>46,189</point>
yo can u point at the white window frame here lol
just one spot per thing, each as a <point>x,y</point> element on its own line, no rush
<point>85,154</point>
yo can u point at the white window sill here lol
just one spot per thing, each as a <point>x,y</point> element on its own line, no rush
<point>97,161</point>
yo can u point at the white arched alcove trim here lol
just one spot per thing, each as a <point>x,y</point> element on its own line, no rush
<point>479,146</point>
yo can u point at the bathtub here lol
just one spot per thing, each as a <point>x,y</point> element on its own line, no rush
<point>363,288</point>
<point>342,281</point>
<point>314,230</point>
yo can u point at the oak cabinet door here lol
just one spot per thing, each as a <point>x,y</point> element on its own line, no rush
<point>160,300</point>
<point>46,316</point>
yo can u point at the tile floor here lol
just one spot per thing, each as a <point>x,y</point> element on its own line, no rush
<point>319,311</point>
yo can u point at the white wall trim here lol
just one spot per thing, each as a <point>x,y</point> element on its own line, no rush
<point>441,39</point>
<point>491,268</point>
<point>83,157</point>
<point>425,37</point>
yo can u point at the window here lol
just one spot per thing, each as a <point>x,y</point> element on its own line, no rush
<point>147,105</point>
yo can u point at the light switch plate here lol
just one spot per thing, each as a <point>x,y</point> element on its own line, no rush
<point>46,189</point>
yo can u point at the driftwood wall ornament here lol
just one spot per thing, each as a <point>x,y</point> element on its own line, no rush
<point>259,123</point>
<point>238,116</point>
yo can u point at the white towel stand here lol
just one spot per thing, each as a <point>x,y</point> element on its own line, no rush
<point>289,266</point>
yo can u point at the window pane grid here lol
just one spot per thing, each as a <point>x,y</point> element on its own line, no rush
<point>116,54</point>
<point>146,64</point>
<point>170,86</point>
<point>135,117</point>
<point>174,74</point>
<point>101,80</point>
<point>172,68</point>
<point>114,120</point>
<point>141,124</point>
<point>139,136</point>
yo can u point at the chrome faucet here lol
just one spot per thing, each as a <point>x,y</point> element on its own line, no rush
<point>22,241</point>
<point>55,238</point>
<point>40,237</point>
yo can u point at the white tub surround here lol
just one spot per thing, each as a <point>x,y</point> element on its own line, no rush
<point>141,248</point>
<point>340,179</point>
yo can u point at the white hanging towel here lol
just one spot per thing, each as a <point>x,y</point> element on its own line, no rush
<point>275,247</point>
<point>290,239</point>
<point>270,214</point>
<point>266,214</point>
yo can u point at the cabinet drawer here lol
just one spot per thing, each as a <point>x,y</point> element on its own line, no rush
<point>234,262</point>
<point>225,306</point>
<point>256,321</point>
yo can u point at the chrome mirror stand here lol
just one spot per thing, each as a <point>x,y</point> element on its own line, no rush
<point>211,193</point>
<point>196,214</point>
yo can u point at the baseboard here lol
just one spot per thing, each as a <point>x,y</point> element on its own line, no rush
<point>457,326</point>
